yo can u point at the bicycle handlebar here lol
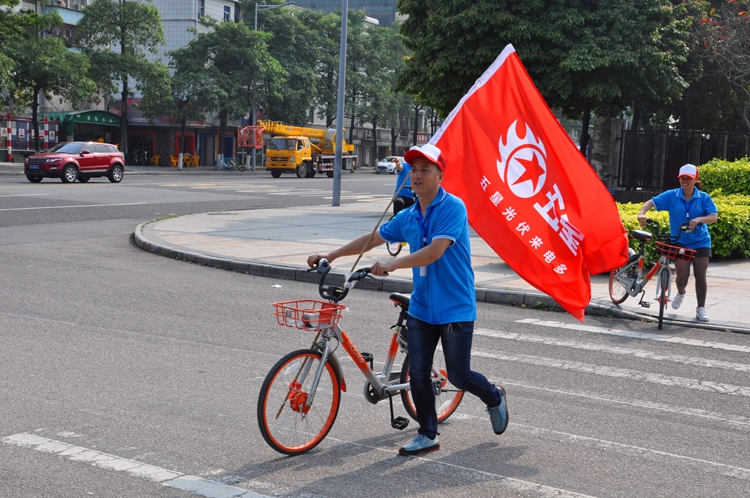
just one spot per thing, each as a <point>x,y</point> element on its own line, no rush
<point>332,292</point>
<point>668,238</point>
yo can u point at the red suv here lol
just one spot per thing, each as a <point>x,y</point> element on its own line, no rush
<point>71,161</point>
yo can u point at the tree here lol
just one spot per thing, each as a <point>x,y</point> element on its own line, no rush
<point>584,55</point>
<point>384,61</point>
<point>45,66</point>
<point>723,36</point>
<point>15,26</point>
<point>295,45</point>
<point>232,60</point>
<point>135,29</point>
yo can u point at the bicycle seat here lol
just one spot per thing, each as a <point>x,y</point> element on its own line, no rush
<point>401,299</point>
<point>641,235</point>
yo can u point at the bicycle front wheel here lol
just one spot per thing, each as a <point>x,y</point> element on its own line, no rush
<point>393,249</point>
<point>288,424</point>
<point>447,397</point>
<point>665,277</point>
<point>621,280</point>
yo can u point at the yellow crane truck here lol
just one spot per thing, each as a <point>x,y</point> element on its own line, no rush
<point>304,151</point>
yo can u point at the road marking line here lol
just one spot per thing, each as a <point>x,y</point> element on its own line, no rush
<point>638,335</point>
<point>638,353</point>
<point>80,206</point>
<point>165,477</point>
<point>737,421</point>
<point>20,195</point>
<point>622,373</point>
<point>640,452</point>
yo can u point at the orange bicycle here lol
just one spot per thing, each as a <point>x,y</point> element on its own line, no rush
<point>628,280</point>
<point>299,399</point>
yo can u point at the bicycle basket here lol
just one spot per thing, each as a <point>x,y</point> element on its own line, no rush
<point>675,252</point>
<point>308,314</point>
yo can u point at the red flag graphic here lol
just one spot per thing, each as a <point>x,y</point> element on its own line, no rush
<point>530,193</point>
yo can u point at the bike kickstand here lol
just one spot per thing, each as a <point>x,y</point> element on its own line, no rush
<point>399,423</point>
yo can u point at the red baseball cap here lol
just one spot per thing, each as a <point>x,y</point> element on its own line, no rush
<point>429,152</point>
<point>688,170</point>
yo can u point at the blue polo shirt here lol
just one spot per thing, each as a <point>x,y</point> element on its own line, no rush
<point>682,211</point>
<point>404,173</point>
<point>444,290</point>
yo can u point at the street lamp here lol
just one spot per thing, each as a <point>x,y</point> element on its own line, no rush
<point>255,28</point>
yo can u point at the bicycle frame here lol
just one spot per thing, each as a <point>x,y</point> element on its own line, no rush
<point>379,381</point>
<point>639,283</point>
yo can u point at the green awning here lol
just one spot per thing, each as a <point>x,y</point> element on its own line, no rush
<point>67,119</point>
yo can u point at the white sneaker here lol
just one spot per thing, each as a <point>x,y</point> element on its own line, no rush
<point>677,301</point>
<point>701,314</point>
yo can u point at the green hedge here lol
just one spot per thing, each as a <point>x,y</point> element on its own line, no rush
<point>725,176</point>
<point>730,235</point>
<point>728,183</point>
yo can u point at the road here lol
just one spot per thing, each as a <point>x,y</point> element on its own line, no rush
<point>123,373</point>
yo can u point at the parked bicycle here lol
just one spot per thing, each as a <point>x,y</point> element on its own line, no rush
<point>229,164</point>
<point>299,399</point>
<point>628,280</point>
<point>139,158</point>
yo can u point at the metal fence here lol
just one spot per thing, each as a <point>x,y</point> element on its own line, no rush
<point>650,160</point>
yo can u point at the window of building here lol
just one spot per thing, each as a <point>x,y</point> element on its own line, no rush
<point>201,8</point>
<point>227,13</point>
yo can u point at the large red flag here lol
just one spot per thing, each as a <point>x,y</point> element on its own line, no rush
<point>530,193</point>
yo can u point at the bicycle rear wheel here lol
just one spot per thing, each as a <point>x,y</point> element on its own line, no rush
<point>621,280</point>
<point>665,277</point>
<point>448,397</point>
<point>393,249</point>
<point>287,425</point>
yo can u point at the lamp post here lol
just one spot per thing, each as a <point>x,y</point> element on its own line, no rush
<point>255,28</point>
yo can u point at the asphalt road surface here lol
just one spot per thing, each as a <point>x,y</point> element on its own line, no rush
<point>123,373</point>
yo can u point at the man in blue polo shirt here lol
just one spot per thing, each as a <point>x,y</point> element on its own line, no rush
<point>443,302</point>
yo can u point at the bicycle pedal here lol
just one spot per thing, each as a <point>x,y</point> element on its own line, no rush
<point>400,423</point>
<point>646,305</point>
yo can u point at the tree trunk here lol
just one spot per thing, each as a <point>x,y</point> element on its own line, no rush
<point>183,126</point>
<point>222,130</point>
<point>374,160</point>
<point>393,141</point>
<point>124,97</point>
<point>351,129</point>
<point>585,129</point>
<point>416,124</point>
<point>636,116</point>
<point>35,119</point>
<point>746,108</point>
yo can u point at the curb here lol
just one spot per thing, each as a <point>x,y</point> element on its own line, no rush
<point>392,284</point>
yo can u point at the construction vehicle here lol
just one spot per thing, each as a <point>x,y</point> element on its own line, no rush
<point>302,150</point>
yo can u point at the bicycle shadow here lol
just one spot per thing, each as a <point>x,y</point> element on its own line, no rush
<point>433,472</point>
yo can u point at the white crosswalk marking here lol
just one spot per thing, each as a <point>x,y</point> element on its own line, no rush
<point>165,477</point>
<point>605,348</point>
<point>638,335</point>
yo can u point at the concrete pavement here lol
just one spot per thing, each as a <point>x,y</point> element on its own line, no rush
<point>276,243</point>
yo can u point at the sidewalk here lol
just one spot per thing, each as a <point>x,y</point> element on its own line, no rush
<point>276,243</point>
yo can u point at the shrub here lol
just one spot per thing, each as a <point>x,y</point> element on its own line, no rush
<point>730,235</point>
<point>729,177</point>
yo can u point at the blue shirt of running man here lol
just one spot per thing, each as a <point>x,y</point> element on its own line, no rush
<point>444,290</point>
<point>682,211</point>
<point>404,174</point>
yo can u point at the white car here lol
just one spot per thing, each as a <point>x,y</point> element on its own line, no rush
<point>386,165</point>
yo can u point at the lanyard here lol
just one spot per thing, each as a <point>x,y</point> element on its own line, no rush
<point>424,224</point>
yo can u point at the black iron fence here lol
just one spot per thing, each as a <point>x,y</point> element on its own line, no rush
<point>650,160</point>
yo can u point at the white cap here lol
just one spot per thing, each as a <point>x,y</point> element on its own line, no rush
<point>429,152</point>
<point>688,170</point>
